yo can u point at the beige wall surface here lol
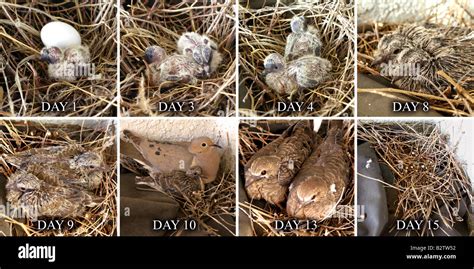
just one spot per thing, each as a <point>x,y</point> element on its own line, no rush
<point>408,11</point>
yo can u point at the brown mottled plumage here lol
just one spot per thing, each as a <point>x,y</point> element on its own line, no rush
<point>61,165</point>
<point>270,170</point>
<point>427,49</point>
<point>321,181</point>
<point>39,198</point>
<point>177,182</point>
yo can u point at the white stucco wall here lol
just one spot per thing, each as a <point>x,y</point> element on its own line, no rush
<point>406,11</point>
<point>223,131</point>
<point>461,133</point>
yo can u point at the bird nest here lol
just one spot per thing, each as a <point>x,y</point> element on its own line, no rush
<point>444,101</point>
<point>24,82</point>
<point>253,136</point>
<point>214,204</point>
<point>264,31</point>
<point>143,26</point>
<point>19,136</point>
<point>427,175</point>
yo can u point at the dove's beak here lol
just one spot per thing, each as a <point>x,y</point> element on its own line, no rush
<point>217,146</point>
<point>44,56</point>
<point>250,180</point>
<point>149,55</point>
<point>298,208</point>
<point>378,60</point>
<point>104,168</point>
<point>207,70</point>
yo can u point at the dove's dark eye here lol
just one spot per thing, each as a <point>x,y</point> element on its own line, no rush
<point>23,189</point>
<point>397,51</point>
<point>313,197</point>
<point>203,145</point>
<point>264,172</point>
<point>91,167</point>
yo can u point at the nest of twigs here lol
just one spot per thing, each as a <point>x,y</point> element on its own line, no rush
<point>16,136</point>
<point>264,31</point>
<point>429,180</point>
<point>444,101</point>
<point>162,24</point>
<point>213,204</point>
<point>24,81</point>
<point>253,136</point>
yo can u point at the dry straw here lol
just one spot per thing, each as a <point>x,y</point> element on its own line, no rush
<point>264,31</point>
<point>443,101</point>
<point>143,26</point>
<point>429,180</point>
<point>24,81</point>
<point>253,136</point>
<point>16,136</point>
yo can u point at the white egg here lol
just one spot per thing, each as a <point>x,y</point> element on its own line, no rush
<point>60,34</point>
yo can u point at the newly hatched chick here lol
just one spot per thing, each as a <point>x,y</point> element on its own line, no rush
<point>271,169</point>
<point>170,70</point>
<point>304,40</point>
<point>321,181</point>
<point>415,53</point>
<point>67,65</point>
<point>285,78</point>
<point>207,156</point>
<point>202,50</point>
<point>178,183</point>
<point>38,198</point>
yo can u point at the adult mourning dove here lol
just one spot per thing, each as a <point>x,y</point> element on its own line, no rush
<point>202,50</point>
<point>62,165</point>
<point>321,181</point>
<point>285,78</point>
<point>207,155</point>
<point>413,54</point>
<point>271,169</point>
<point>39,198</point>
<point>304,40</point>
<point>177,182</point>
<point>67,64</point>
<point>161,156</point>
<point>172,69</point>
<point>167,157</point>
